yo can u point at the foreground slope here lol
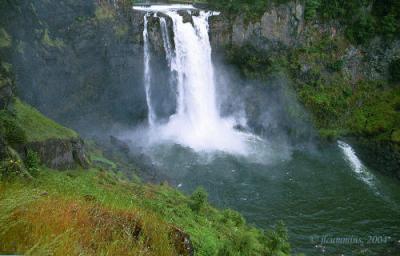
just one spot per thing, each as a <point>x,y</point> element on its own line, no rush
<point>97,212</point>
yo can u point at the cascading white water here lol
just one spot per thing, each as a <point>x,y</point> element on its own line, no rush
<point>166,41</point>
<point>147,71</point>
<point>356,164</point>
<point>197,122</point>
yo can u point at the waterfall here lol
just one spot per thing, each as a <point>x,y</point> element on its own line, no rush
<point>166,41</point>
<point>147,72</point>
<point>356,165</point>
<point>197,122</point>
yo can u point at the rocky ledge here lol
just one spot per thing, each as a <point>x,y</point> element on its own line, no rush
<point>60,154</point>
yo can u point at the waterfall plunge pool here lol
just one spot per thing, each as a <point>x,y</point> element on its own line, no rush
<point>330,202</point>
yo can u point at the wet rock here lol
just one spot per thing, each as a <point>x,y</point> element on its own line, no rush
<point>383,156</point>
<point>5,96</point>
<point>187,15</point>
<point>121,145</point>
<point>183,244</point>
<point>60,154</point>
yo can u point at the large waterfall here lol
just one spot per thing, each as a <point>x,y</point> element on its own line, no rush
<point>197,122</point>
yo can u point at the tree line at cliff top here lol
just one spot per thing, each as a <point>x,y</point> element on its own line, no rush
<point>363,19</point>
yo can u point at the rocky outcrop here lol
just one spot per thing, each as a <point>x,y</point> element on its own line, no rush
<point>183,244</point>
<point>383,156</point>
<point>60,154</point>
<point>281,25</point>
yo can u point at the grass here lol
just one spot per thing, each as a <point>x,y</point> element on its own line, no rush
<point>38,127</point>
<point>96,213</point>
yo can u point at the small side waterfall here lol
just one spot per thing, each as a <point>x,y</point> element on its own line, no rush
<point>147,71</point>
<point>196,122</point>
<point>356,165</point>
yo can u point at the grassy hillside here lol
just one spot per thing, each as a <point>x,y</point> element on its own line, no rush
<point>99,212</point>
<point>38,127</point>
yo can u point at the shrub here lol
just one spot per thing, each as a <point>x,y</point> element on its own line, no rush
<point>394,70</point>
<point>11,168</point>
<point>252,62</point>
<point>389,26</point>
<point>198,199</point>
<point>32,162</point>
<point>233,216</point>
<point>362,30</point>
<point>310,11</point>
<point>11,130</point>
<point>278,240</point>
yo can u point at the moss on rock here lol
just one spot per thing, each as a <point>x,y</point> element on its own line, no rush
<point>38,127</point>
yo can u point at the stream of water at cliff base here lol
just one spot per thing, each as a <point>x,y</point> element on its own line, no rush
<point>330,201</point>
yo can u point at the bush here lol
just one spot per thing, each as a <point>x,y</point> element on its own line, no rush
<point>394,70</point>
<point>362,30</point>
<point>252,62</point>
<point>11,168</point>
<point>11,130</point>
<point>198,199</point>
<point>32,162</point>
<point>389,26</point>
<point>310,11</point>
<point>233,217</point>
<point>278,240</point>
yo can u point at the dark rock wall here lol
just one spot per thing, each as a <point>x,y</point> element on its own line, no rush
<point>79,62</point>
<point>60,154</point>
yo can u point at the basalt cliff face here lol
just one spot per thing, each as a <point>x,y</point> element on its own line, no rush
<point>83,54</point>
<point>279,27</point>
<point>345,86</point>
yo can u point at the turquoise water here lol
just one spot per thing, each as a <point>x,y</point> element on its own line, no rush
<point>329,207</point>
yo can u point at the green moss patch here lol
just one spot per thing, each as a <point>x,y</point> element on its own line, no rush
<point>5,38</point>
<point>37,127</point>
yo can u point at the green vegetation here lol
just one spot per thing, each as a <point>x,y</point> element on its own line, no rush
<point>251,9</point>
<point>96,213</point>
<point>199,199</point>
<point>394,70</point>
<point>48,41</point>
<point>339,105</point>
<point>10,129</point>
<point>6,79</point>
<point>360,20</point>
<point>5,38</point>
<point>121,30</point>
<point>104,13</point>
<point>38,127</point>
<point>11,168</point>
<point>32,162</point>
